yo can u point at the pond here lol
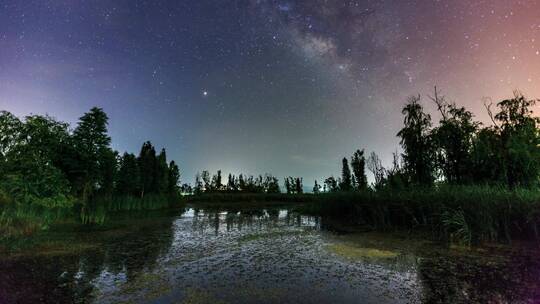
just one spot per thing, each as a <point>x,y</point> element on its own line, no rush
<point>266,255</point>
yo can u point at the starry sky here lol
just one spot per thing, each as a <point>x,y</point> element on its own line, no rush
<point>280,86</point>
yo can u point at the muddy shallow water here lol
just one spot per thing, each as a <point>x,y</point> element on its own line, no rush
<point>258,256</point>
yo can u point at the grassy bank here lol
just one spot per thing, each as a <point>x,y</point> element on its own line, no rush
<point>18,220</point>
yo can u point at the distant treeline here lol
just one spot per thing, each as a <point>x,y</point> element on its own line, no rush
<point>456,151</point>
<point>45,166</point>
<point>242,183</point>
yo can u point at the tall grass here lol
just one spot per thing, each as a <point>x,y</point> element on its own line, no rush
<point>465,214</point>
<point>96,211</point>
<point>24,220</point>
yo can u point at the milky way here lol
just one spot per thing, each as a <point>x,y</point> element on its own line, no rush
<point>287,87</point>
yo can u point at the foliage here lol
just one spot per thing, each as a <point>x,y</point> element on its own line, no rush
<point>346,177</point>
<point>358,164</point>
<point>47,171</point>
<point>417,143</point>
<point>453,140</point>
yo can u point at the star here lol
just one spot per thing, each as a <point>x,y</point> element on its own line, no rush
<point>205,93</point>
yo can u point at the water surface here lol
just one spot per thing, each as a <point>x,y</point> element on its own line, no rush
<point>266,255</point>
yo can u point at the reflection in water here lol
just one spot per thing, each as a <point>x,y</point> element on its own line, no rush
<point>254,256</point>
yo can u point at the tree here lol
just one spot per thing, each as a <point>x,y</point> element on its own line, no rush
<point>147,165</point>
<point>205,175</point>
<point>374,165</point>
<point>358,164</point>
<point>271,184</point>
<point>161,171</point>
<point>299,187</point>
<point>216,182</point>
<point>487,158</point>
<point>331,184</point>
<point>10,128</point>
<point>241,183</point>
<point>186,189</point>
<point>129,180</point>
<point>417,144</point>
<point>28,172</point>
<point>199,187</point>
<point>316,188</point>
<point>288,186</point>
<point>92,142</point>
<point>173,179</point>
<point>108,166</point>
<point>520,139</point>
<point>453,140</point>
<point>231,183</point>
<point>346,180</point>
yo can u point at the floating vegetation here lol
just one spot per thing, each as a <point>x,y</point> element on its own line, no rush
<point>351,251</point>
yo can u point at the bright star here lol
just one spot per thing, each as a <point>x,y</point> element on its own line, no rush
<point>205,93</point>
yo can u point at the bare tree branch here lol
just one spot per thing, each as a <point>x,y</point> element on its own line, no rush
<point>440,102</point>
<point>488,104</point>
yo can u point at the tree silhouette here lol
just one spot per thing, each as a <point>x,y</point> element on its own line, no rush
<point>346,180</point>
<point>331,184</point>
<point>453,140</point>
<point>129,180</point>
<point>316,188</point>
<point>417,143</point>
<point>358,164</point>
<point>92,142</point>
<point>147,164</point>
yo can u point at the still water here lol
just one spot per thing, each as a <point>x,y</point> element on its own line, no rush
<point>257,256</point>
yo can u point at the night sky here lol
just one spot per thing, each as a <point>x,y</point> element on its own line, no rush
<point>255,86</point>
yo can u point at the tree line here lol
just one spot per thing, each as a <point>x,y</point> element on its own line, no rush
<point>456,151</point>
<point>204,183</point>
<point>43,163</point>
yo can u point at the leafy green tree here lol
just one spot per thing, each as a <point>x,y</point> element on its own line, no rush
<point>232,184</point>
<point>453,140</point>
<point>29,151</point>
<point>487,157</point>
<point>129,176</point>
<point>92,142</point>
<point>173,187</point>
<point>242,185</point>
<point>331,184</point>
<point>358,164</point>
<point>199,187</point>
<point>216,181</point>
<point>316,188</point>
<point>205,175</point>
<point>271,184</point>
<point>520,138</point>
<point>299,186</point>
<point>346,179</point>
<point>10,128</point>
<point>161,178</point>
<point>147,166</point>
<point>288,185</point>
<point>417,143</point>
<point>108,166</point>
